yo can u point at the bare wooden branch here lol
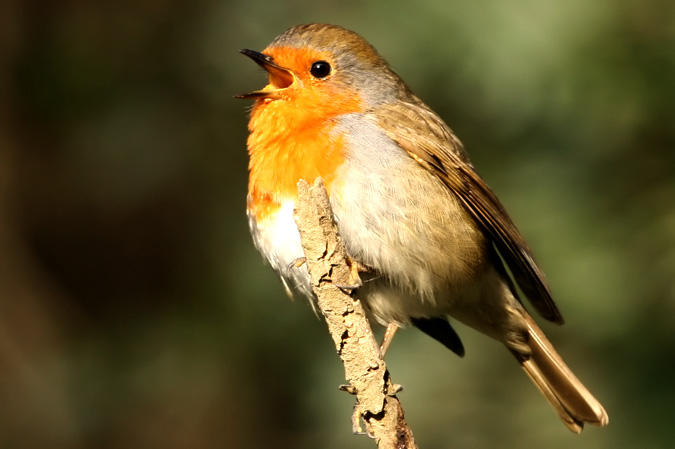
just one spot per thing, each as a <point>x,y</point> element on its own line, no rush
<point>365,370</point>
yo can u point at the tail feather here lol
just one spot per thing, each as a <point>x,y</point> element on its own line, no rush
<point>568,396</point>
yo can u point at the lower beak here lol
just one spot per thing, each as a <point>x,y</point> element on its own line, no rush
<point>280,77</point>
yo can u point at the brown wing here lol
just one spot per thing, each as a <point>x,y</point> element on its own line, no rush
<point>439,151</point>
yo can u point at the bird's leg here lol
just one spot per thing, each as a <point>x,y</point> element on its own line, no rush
<point>388,337</point>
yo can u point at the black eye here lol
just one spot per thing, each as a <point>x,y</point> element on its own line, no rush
<point>320,69</point>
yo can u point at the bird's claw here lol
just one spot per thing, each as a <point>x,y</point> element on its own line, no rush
<point>355,267</point>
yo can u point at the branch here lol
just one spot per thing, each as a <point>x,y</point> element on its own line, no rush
<point>365,369</point>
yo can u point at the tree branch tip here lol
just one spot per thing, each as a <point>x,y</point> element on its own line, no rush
<point>394,389</point>
<point>347,388</point>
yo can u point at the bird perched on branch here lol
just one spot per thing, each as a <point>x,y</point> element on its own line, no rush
<point>408,203</point>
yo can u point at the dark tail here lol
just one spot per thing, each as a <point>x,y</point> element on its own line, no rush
<point>573,402</point>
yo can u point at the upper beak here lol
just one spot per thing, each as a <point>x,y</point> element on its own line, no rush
<point>280,77</point>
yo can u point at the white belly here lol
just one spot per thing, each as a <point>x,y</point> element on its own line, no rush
<point>278,239</point>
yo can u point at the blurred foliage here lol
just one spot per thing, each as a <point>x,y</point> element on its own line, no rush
<point>135,312</point>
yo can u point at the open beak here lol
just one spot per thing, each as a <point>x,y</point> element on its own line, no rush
<point>280,77</point>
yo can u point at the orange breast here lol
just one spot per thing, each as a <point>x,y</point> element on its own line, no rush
<point>292,138</point>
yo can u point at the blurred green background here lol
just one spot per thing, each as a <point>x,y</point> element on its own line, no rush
<point>136,313</point>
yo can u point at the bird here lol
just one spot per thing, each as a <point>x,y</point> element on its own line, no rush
<point>432,237</point>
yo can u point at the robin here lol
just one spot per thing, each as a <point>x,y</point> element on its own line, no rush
<point>408,203</point>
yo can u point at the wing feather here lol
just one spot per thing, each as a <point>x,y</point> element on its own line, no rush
<point>440,152</point>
